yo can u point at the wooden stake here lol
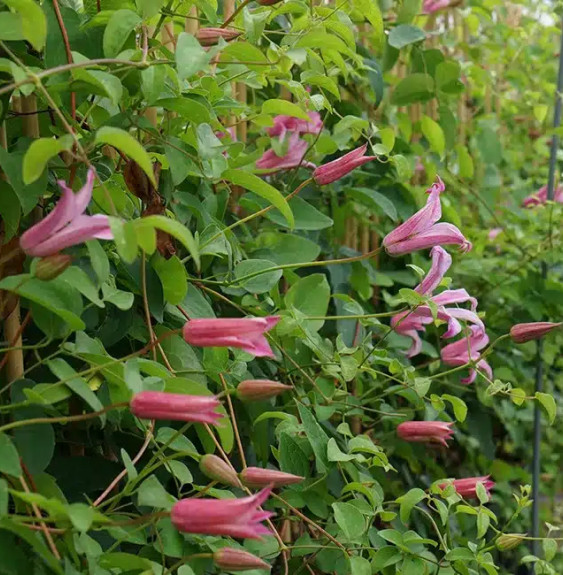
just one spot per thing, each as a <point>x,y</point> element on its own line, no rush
<point>192,23</point>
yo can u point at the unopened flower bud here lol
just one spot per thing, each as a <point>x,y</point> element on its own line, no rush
<point>259,477</point>
<point>509,540</point>
<point>523,332</point>
<point>268,2</point>
<point>332,171</point>
<point>231,559</point>
<point>211,36</point>
<point>215,468</point>
<point>50,267</point>
<point>260,389</point>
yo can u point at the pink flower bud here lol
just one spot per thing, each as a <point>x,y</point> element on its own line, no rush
<point>260,389</point>
<point>268,2</point>
<point>523,332</point>
<point>258,477</point>
<point>215,468</point>
<point>328,173</point>
<point>231,559</point>
<point>175,406</point>
<point>211,36</point>
<point>468,487</point>
<point>50,267</point>
<point>425,431</point>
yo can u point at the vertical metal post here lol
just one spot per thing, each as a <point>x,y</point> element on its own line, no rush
<point>536,467</point>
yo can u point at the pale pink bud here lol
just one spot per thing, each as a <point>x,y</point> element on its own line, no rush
<point>211,36</point>
<point>426,431</point>
<point>215,468</point>
<point>241,518</point>
<point>259,477</point>
<point>175,406</point>
<point>50,267</point>
<point>260,389</point>
<point>510,540</point>
<point>246,333</point>
<point>468,487</point>
<point>523,332</point>
<point>328,173</point>
<point>231,559</point>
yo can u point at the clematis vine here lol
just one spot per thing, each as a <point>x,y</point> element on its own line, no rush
<point>67,225</point>
<point>421,231</point>
<point>176,406</point>
<point>468,349</point>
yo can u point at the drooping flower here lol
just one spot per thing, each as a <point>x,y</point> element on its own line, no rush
<point>468,349</point>
<point>425,431</point>
<point>468,487</point>
<point>176,406</point>
<point>284,124</point>
<point>246,333</point>
<point>211,36</point>
<point>66,225</point>
<point>523,332</point>
<point>259,477</point>
<point>441,262</point>
<point>421,231</point>
<point>230,559</point>
<point>328,173</point>
<point>296,151</point>
<point>539,198</point>
<point>431,6</point>
<point>230,517</point>
<point>260,389</point>
<point>215,468</point>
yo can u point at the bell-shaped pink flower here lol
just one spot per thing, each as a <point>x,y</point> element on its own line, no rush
<point>426,431</point>
<point>539,198</point>
<point>246,333</point>
<point>66,225</point>
<point>239,518</point>
<point>523,332</point>
<point>468,349</point>
<point>211,36</point>
<point>260,389</point>
<point>296,151</point>
<point>284,124</point>
<point>421,231</point>
<point>328,173</point>
<point>259,477</point>
<point>431,6</point>
<point>229,559</point>
<point>176,406</point>
<point>468,487</point>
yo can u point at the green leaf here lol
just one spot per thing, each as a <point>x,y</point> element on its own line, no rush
<point>447,77</point>
<point>405,34</point>
<point>310,296</point>
<point>548,403</point>
<point>465,162</point>
<point>460,554</point>
<point>191,58</point>
<point>149,8</point>
<point>11,27</point>
<point>292,458</point>
<point>260,188</point>
<point>360,566</point>
<point>434,134</point>
<point>98,260</point>
<point>152,494</point>
<point>316,437</point>
<point>172,274</point>
<point>408,501</point>
<point>374,200</point>
<point>282,248</point>
<point>349,519</point>
<point>283,107</point>
<point>33,21</point>
<point>9,457</point>
<point>181,472</point>
<point>413,88</point>
<point>370,9</point>
<point>483,522</point>
<point>76,277</point>
<point>55,295</point>
<point>125,143</point>
<point>188,108</point>
<point>152,82</point>
<point>10,210</point>
<point>120,26</point>
<point>321,40</point>
<point>261,283</point>
<point>81,516</point>
<point>385,556</point>
<point>460,409</point>
<point>408,11</point>
<point>175,229</point>
<point>125,562</point>
<point>549,549</point>
<point>412,566</point>
<point>4,496</point>
<point>101,83</point>
<point>125,239</point>
<point>335,454</point>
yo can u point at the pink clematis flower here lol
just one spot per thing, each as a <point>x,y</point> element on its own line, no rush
<point>328,173</point>
<point>229,517</point>
<point>431,6</point>
<point>523,332</point>
<point>259,477</point>
<point>468,487</point>
<point>539,198</point>
<point>426,431</point>
<point>284,124</point>
<point>421,231</point>
<point>296,151</point>
<point>66,225</point>
<point>468,349</point>
<point>408,323</point>
<point>176,406</point>
<point>246,333</point>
